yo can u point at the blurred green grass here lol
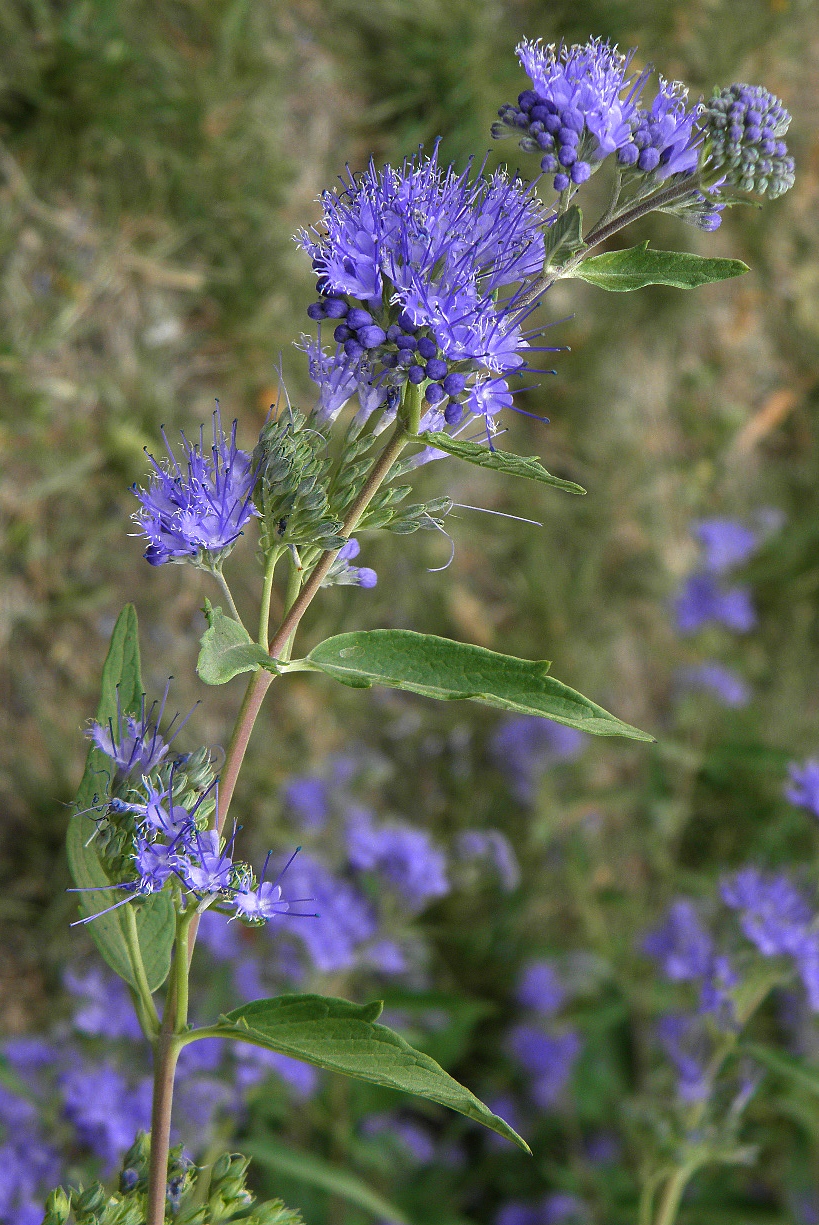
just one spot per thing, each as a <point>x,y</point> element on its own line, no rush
<point>155,160</point>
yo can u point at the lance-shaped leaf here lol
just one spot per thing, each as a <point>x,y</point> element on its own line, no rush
<point>507,462</point>
<point>227,649</point>
<point>635,267</point>
<point>344,1037</point>
<point>563,238</point>
<point>151,921</point>
<point>440,668</point>
<point>315,1172</point>
<point>790,1068</point>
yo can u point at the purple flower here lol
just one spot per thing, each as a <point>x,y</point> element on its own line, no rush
<point>341,573</point>
<point>198,513</point>
<point>560,1207</point>
<point>685,1043</point>
<point>345,920</point>
<point>208,868</point>
<point>703,601</point>
<point>726,686</point>
<point>777,919</point>
<point>259,904</point>
<point>105,1110</point>
<point>665,139</point>
<point>135,743</point>
<point>221,937</point>
<point>804,788</point>
<point>105,1009</point>
<point>413,1138</point>
<point>495,848</point>
<point>579,109</point>
<point>525,746</point>
<point>409,262</point>
<point>744,126</point>
<point>309,799</point>
<point>727,543</point>
<point>402,855</point>
<point>540,989</point>
<point>28,1165</point>
<point>548,1058</point>
<point>682,945</point>
<point>516,1213</point>
<point>254,1064</point>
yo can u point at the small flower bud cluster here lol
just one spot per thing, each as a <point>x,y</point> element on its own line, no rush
<point>413,353</point>
<point>546,130</point>
<point>292,468</point>
<point>744,125</point>
<point>228,1198</point>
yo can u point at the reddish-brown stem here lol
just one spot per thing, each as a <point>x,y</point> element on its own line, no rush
<point>166,1053</point>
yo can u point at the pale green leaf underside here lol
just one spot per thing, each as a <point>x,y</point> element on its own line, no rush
<point>314,1172</point>
<point>344,1037</point>
<point>507,462</point>
<point>227,649</point>
<point>636,267</point>
<point>154,916</point>
<point>439,668</point>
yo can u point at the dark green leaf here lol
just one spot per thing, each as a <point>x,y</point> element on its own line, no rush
<point>787,1066</point>
<point>154,915</point>
<point>317,1173</point>
<point>439,668</point>
<point>344,1037</point>
<point>499,461</point>
<point>621,271</point>
<point>564,238</point>
<point>227,649</point>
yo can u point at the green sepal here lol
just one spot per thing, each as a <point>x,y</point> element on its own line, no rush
<point>344,1037</point>
<point>154,916</point>
<point>528,466</point>
<point>440,668</point>
<point>227,649</point>
<point>636,267</point>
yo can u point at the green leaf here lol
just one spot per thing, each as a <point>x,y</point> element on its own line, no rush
<point>317,1173</point>
<point>439,668</point>
<point>499,461</point>
<point>154,915</point>
<point>228,649</point>
<point>787,1066</point>
<point>564,238</point>
<point>344,1037</point>
<point>635,267</point>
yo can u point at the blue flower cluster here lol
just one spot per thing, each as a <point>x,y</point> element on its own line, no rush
<point>803,790</point>
<point>558,1208</point>
<point>197,512</point>
<point>778,920</point>
<point>579,109</point>
<point>410,262</point>
<point>745,126</point>
<point>707,597</point>
<point>525,746</point>
<point>546,1054</point>
<point>163,823</point>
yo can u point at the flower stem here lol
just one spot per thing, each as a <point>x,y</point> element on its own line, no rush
<point>267,591</point>
<point>222,581</point>
<point>148,1016</point>
<point>670,1202</point>
<point>166,1053</point>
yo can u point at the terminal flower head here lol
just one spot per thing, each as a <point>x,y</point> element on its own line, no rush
<point>410,263</point>
<point>196,511</point>
<point>579,110</point>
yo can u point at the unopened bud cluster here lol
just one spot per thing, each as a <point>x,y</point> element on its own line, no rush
<point>745,125</point>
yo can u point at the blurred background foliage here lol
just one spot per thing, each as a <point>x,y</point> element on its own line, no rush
<point>155,159</point>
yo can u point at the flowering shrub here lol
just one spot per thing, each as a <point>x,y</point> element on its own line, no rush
<point>428,278</point>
